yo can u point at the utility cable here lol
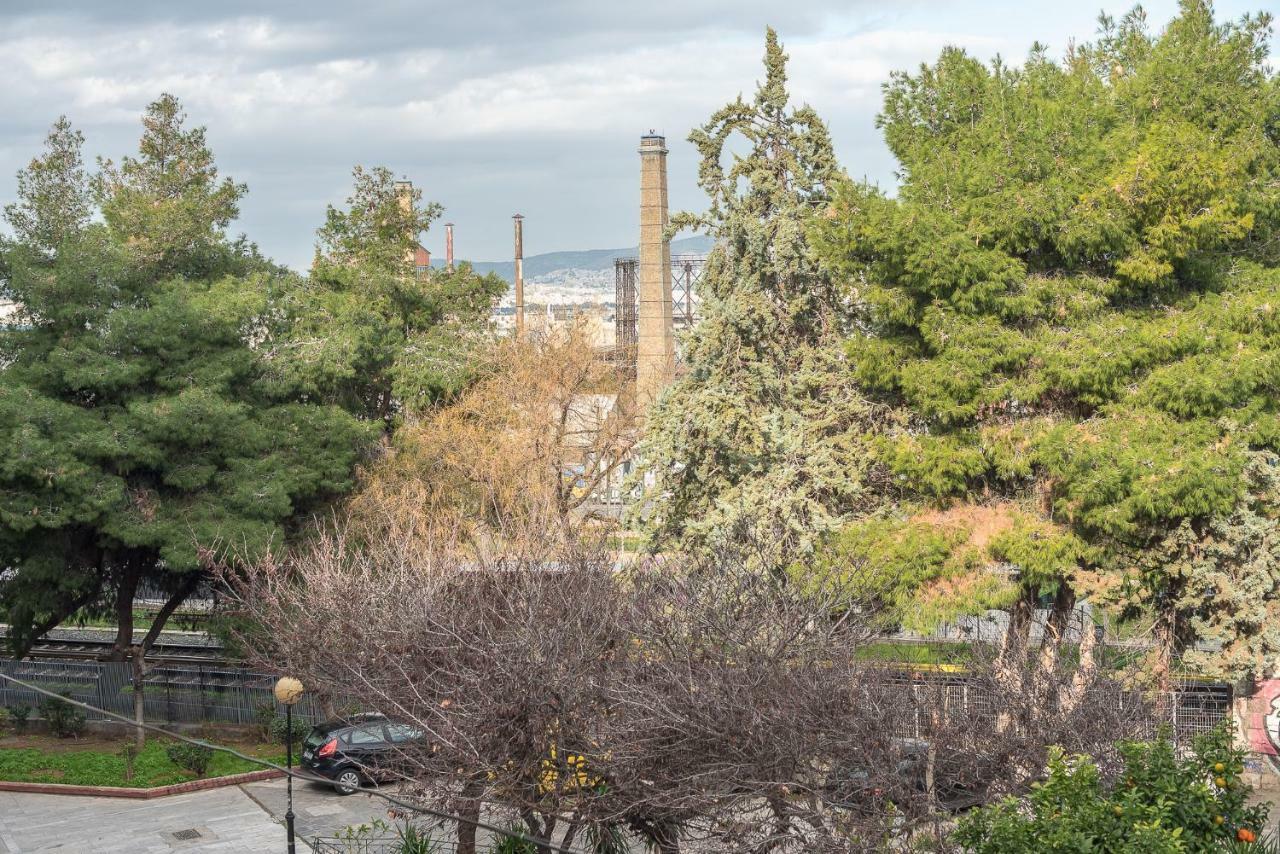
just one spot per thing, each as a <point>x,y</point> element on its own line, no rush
<point>479,823</point>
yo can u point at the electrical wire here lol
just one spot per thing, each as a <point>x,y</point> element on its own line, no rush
<point>434,813</point>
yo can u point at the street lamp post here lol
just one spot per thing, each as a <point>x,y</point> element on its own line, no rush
<point>289,691</point>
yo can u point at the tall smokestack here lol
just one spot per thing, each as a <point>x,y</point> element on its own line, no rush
<point>404,195</point>
<point>448,245</point>
<point>655,333</point>
<point>519,221</point>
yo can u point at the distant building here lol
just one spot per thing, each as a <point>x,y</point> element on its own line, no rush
<point>421,259</point>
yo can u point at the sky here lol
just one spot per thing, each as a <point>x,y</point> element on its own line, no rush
<point>492,107</point>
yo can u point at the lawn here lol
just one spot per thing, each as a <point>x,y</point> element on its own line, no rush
<point>86,762</point>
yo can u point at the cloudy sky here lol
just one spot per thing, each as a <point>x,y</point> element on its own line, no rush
<point>492,106</point>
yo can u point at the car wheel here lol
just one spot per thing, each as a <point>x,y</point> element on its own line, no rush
<point>347,782</point>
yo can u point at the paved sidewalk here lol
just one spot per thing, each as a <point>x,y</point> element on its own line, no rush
<point>233,820</point>
<point>317,809</point>
<point>227,821</point>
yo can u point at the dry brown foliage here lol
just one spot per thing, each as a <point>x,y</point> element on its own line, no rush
<point>518,455</point>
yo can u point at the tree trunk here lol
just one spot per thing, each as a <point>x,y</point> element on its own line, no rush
<point>1088,664</point>
<point>139,696</point>
<point>139,656</point>
<point>540,830</point>
<point>1055,629</point>
<point>126,592</point>
<point>1013,649</point>
<point>469,814</point>
<point>1064,603</point>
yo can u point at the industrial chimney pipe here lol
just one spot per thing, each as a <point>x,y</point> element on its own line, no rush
<point>448,245</point>
<point>519,221</point>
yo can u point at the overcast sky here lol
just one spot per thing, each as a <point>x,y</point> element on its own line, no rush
<point>493,108</point>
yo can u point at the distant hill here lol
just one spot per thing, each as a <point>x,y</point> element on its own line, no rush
<point>586,259</point>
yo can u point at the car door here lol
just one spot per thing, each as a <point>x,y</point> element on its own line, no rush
<point>400,756</point>
<point>367,747</point>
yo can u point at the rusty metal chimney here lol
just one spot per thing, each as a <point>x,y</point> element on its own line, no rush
<point>519,276</point>
<point>655,331</point>
<point>448,245</point>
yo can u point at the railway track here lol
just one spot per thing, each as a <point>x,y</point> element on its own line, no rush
<point>91,649</point>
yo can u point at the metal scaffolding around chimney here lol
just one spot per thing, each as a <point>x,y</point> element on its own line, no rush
<point>624,272</point>
<point>686,270</point>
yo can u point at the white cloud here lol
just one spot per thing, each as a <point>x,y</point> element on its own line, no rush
<point>493,107</point>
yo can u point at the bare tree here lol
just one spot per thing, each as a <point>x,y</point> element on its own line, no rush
<point>697,706</point>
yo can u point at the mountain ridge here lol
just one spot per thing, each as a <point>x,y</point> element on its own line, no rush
<point>582,259</point>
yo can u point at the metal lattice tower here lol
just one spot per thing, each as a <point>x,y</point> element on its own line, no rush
<point>624,271</point>
<point>685,272</point>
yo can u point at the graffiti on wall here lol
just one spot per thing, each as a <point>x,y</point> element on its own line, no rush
<point>1262,722</point>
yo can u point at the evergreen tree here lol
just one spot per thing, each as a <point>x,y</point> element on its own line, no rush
<point>754,436</point>
<point>143,433</point>
<point>1069,305</point>
<point>166,206</point>
<point>53,192</point>
<point>368,331</point>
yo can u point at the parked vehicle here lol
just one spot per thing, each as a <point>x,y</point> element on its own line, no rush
<point>357,751</point>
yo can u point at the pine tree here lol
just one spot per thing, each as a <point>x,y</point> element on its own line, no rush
<point>753,438</point>
<point>53,192</point>
<point>1069,306</point>
<point>370,333</point>
<point>143,433</point>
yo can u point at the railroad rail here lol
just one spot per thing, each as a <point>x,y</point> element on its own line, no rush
<point>75,645</point>
<point>100,650</point>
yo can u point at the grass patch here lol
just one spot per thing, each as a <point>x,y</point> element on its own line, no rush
<point>104,765</point>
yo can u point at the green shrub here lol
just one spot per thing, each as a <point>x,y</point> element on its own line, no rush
<point>1160,803</point>
<point>19,714</point>
<point>605,838</point>
<point>264,716</point>
<point>411,840</point>
<point>279,730</point>
<point>513,845</point>
<point>64,719</point>
<point>192,757</point>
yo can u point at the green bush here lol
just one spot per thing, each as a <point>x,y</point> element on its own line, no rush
<point>411,840</point>
<point>19,714</point>
<point>279,730</point>
<point>513,845</point>
<point>264,716</point>
<point>1160,803</point>
<point>64,719</point>
<point>192,757</point>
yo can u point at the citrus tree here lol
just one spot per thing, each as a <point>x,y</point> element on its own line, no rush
<point>1160,802</point>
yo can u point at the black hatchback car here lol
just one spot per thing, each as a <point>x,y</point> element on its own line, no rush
<point>356,751</point>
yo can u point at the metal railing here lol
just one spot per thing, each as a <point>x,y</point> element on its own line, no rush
<point>171,694</point>
<point>1193,707</point>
